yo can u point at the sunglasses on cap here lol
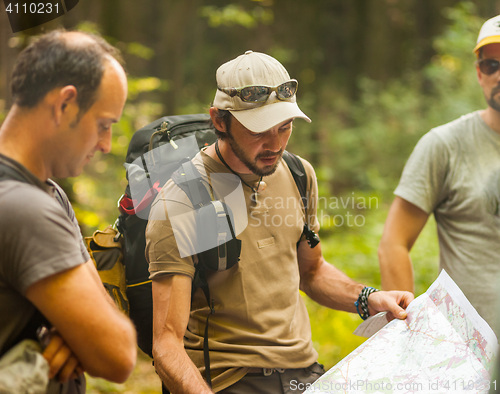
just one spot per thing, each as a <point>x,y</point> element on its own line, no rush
<point>260,94</point>
<point>488,66</point>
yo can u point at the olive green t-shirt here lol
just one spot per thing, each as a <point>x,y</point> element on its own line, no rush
<point>454,173</point>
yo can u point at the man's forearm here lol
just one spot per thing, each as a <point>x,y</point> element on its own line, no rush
<point>404,223</point>
<point>176,370</point>
<point>395,268</point>
<point>332,288</point>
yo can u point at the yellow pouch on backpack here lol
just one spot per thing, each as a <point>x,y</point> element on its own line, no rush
<point>105,249</point>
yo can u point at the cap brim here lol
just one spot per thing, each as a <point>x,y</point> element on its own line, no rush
<point>486,41</point>
<point>266,117</point>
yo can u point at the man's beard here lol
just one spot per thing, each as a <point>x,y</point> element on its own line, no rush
<point>492,102</point>
<point>252,165</point>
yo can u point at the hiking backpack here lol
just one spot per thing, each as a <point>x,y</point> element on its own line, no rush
<point>156,154</point>
<point>157,167</point>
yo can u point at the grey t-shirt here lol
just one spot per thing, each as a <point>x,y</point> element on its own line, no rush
<point>39,237</point>
<point>453,172</point>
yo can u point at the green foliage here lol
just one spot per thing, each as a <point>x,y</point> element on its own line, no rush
<point>137,86</point>
<point>139,50</point>
<point>88,27</point>
<point>97,385</point>
<point>372,136</point>
<point>332,333</point>
<point>236,15</point>
<point>451,74</point>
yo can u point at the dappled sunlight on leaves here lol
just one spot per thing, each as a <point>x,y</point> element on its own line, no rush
<point>236,15</point>
<point>137,86</point>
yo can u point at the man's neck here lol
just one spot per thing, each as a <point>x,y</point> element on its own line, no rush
<point>492,118</point>
<point>16,144</point>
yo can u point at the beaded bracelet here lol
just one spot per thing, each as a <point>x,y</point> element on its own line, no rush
<point>362,302</point>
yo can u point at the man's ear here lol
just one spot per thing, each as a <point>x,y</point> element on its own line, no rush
<point>65,103</point>
<point>217,120</point>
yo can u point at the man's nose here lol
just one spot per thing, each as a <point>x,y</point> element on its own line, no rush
<point>273,141</point>
<point>104,144</point>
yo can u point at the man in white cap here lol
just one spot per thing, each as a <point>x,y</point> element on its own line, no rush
<point>259,335</point>
<point>452,174</point>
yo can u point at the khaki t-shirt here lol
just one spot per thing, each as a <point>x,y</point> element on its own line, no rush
<point>260,317</point>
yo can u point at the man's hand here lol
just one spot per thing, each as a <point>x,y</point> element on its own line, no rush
<point>394,302</point>
<point>63,364</point>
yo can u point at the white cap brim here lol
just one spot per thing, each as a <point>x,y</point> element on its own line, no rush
<point>263,118</point>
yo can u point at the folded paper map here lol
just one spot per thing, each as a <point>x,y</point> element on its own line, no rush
<point>443,346</point>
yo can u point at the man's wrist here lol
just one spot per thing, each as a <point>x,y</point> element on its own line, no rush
<point>362,301</point>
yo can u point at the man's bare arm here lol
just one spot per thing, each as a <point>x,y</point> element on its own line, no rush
<point>330,287</point>
<point>101,337</point>
<point>404,223</point>
<point>171,309</point>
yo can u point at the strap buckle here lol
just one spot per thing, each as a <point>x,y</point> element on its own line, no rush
<point>270,371</point>
<point>267,371</point>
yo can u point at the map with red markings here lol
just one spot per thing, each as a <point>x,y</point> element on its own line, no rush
<point>442,346</point>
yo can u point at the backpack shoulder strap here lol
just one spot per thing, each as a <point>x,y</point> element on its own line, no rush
<point>7,172</point>
<point>299,174</point>
<point>300,177</point>
<point>188,178</point>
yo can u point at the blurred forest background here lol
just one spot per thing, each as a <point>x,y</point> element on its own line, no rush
<point>374,76</point>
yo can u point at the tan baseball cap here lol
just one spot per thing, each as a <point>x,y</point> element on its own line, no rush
<point>251,69</point>
<point>489,33</point>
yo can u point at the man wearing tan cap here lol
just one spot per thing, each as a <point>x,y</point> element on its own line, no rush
<point>450,174</point>
<point>259,335</point>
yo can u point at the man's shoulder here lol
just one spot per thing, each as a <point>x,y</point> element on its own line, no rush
<point>309,169</point>
<point>20,192</point>
<point>62,198</point>
<point>459,127</point>
<point>19,200</point>
<point>448,138</point>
